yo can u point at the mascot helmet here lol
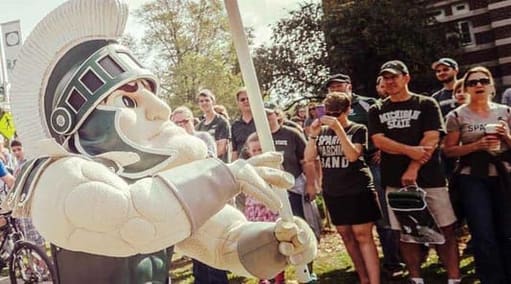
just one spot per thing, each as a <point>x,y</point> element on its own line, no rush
<point>68,65</point>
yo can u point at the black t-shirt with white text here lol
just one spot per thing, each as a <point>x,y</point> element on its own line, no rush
<point>340,176</point>
<point>291,143</point>
<point>405,122</point>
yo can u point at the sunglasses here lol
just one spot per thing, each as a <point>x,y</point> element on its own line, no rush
<point>243,100</point>
<point>474,82</point>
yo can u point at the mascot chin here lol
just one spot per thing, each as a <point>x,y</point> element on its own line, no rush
<point>112,183</point>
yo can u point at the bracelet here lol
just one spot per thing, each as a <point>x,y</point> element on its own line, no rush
<point>313,137</point>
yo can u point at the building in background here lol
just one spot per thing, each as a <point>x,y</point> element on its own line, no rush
<point>484,31</point>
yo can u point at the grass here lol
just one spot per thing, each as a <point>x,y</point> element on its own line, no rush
<point>333,265</point>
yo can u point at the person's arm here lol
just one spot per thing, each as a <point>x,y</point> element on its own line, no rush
<point>222,137</point>
<point>221,146</point>
<point>430,141</point>
<point>390,146</point>
<point>452,147</point>
<point>351,150</point>
<point>9,180</point>
<point>6,176</point>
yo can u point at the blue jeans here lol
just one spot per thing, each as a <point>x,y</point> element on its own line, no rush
<point>389,238</point>
<point>205,274</point>
<point>488,215</point>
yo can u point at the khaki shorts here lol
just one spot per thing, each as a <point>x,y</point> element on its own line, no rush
<point>438,202</point>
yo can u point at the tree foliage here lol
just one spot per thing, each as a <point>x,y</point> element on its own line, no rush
<point>294,66</point>
<point>191,46</point>
<point>363,34</point>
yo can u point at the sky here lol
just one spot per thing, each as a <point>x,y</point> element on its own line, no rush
<point>258,14</point>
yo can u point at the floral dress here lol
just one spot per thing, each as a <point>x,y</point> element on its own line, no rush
<point>257,211</point>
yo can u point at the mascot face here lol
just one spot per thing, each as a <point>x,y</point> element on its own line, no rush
<point>142,117</point>
<point>133,119</point>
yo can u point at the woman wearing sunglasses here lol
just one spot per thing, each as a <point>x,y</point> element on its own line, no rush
<point>348,187</point>
<point>478,133</point>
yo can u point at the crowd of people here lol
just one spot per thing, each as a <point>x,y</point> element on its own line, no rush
<point>354,150</point>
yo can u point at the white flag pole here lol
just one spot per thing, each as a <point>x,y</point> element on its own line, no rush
<point>257,107</point>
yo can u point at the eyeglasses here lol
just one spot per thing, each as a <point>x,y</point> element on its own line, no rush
<point>312,108</point>
<point>182,122</point>
<point>243,99</point>
<point>333,113</point>
<point>474,82</point>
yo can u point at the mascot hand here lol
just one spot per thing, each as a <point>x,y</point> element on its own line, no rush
<point>297,241</point>
<point>257,176</point>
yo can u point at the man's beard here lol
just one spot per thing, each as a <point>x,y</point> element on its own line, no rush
<point>448,80</point>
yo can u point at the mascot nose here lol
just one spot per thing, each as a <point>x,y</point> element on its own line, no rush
<point>156,109</point>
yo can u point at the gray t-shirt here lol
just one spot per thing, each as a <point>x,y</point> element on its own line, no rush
<point>471,125</point>
<point>208,139</point>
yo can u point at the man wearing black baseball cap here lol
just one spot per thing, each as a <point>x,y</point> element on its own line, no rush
<point>446,70</point>
<point>359,104</point>
<point>406,128</point>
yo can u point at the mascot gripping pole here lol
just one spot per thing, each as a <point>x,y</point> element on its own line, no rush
<point>113,184</point>
<point>263,129</point>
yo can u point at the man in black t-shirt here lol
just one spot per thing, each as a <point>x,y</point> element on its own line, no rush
<point>215,124</point>
<point>243,126</point>
<point>406,128</point>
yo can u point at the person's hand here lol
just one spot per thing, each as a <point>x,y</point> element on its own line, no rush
<point>332,122</point>
<point>487,142</point>
<point>315,127</point>
<point>503,130</point>
<point>409,177</point>
<point>376,158</point>
<point>257,175</point>
<point>296,241</point>
<point>421,154</point>
<point>310,191</point>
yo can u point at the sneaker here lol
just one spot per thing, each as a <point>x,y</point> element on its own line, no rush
<point>393,273</point>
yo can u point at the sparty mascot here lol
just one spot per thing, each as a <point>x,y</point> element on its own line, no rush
<point>112,183</point>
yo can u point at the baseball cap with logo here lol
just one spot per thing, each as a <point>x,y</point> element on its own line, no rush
<point>394,66</point>
<point>449,62</point>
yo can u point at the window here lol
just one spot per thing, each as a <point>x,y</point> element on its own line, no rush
<point>460,8</point>
<point>438,14</point>
<point>466,36</point>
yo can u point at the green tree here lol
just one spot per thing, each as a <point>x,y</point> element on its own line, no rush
<point>294,67</point>
<point>191,48</point>
<point>363,34</point>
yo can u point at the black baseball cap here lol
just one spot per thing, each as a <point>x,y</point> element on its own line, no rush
<point>341,78</point>
<point>449,62</point>
<point>393,66</point>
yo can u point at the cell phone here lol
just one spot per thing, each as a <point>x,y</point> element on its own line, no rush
<point>320,110</point>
